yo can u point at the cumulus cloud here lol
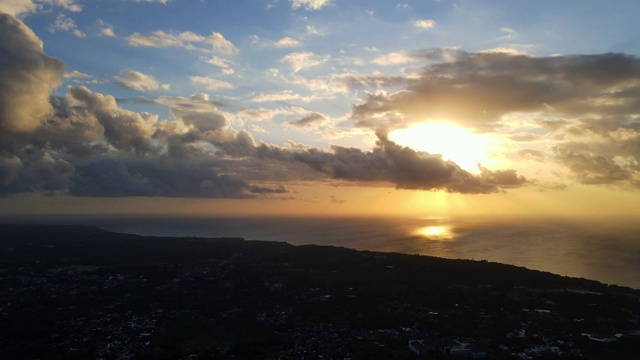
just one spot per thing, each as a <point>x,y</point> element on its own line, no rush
<point>424,24</point>
<point>309,4</point>
<point>390,162</point>
<point>286,42</point>
<point>136,80</point>
<point>27,77</point>
<point>186,40</point>
<point>125,130</point>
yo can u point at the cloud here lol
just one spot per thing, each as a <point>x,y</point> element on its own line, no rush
<point>302,60</point>
<point>335,200</point>
<point>478,89</point>
<point>106,29</point>
<point>263,114</point>
<point>309,4</point>
<point>395,58</point>
<point>221,63</point>
<point>211,83</point>
<point>69,5</point>
<point>22,7</point>
<point>75,74</point>
<point>136,80</point>
<point>27,77</point>
<point>17,7</point>
<point>112,177</point>
<point>312,120</point>
<point>424,24</point>
<point>390,162</point>
<point>186,40</point>
<point>286,42</point>
<point>592,169</point>
<point>163,2</point>
<point>280,96</point>
<point>125,130</point>
<point>355,81</point>
<point>65,24</point>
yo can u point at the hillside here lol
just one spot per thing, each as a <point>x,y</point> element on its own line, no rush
<point>81,292</point>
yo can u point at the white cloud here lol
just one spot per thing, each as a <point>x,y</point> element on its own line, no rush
<point>263,114</point>
<point>187,40</point>
<point>22,7</point>
<point>309,4</point>
<point>286,42</point>
<point>425,24</point>
<point>164,2</point>
<point>302,60</point>
<point>211,83</point>
<point>311,30</point>
<point>75,74</point>
<point>66,24</point>
<point>69,5</point>
<point>136,80</point>
<point>17,7</point>
<point>395,58</point>
<point>279,96</point>
<point>106,29</point>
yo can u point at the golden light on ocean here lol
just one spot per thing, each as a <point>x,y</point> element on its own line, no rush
<point>436,232</point>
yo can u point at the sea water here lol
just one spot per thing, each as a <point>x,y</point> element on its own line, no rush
<point>606,251</point>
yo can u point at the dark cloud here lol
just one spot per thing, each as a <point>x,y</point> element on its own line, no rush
<point>40,171</point>
<point>27,77</point>
<point>477,89</point>
<point>309,120</point>
<point>592,169</point>
<point>112,177</point>
<point>402,166</point>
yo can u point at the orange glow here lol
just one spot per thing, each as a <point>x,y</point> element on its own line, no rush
<point>436,232</point>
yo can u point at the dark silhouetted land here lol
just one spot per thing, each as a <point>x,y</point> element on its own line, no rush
<point>74,292</point>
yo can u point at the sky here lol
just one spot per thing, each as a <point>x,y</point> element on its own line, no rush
<point>325,107</point>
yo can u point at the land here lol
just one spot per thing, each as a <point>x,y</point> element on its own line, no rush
<point>78,292</point>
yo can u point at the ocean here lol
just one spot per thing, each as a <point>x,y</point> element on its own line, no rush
<point>606,251</point>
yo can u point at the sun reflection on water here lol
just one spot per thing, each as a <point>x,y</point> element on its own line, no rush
<point>436,232</point>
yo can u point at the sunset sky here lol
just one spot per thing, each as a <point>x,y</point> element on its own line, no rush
<point>327,107</point>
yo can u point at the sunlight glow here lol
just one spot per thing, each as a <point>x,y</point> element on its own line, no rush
<point>438,232</point>
<point>454,143</point>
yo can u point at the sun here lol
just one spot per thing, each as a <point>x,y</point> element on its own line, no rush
<point>454,143</point>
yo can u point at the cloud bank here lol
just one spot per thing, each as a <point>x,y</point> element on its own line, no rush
<point>84,144</point>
